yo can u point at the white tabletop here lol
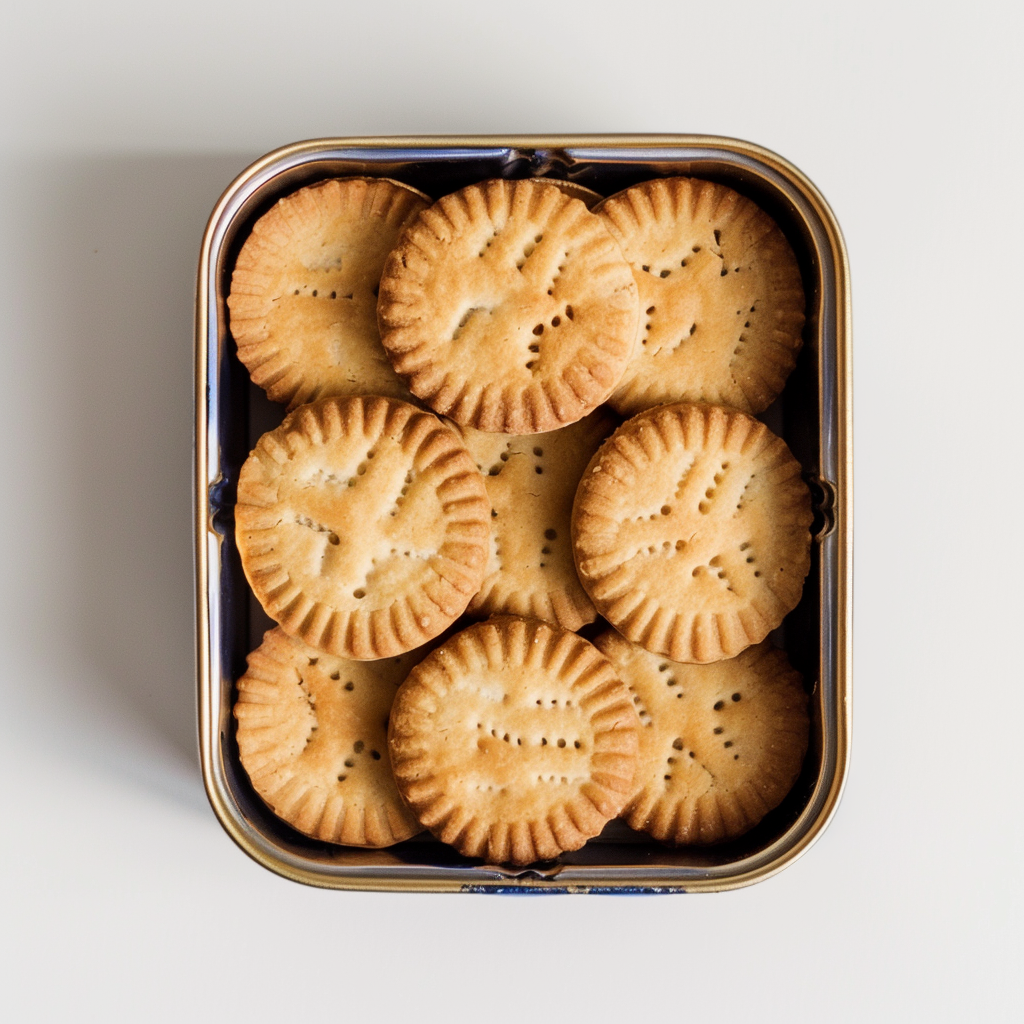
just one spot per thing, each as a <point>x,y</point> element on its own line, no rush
<point>122,897</point>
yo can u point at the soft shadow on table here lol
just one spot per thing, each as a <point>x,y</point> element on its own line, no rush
<point>110,275</point>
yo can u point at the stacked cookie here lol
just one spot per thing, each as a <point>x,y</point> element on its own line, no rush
<point>462,453</point>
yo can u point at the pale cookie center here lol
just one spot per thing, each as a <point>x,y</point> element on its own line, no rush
<point>704,525</point>
<point>697,299</point>
<point>376,523</point>
<point>514,739</point>
<point>517,289</point>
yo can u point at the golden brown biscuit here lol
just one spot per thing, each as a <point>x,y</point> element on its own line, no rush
<point>363,526</point>
<point>720,745</point>
<point>514,741</point>
<point>721,294</point>
<point>312,735</point>
<point>303,302</point>
<point>508,307</point>
<point>691,531</point>
<point>531,482</point>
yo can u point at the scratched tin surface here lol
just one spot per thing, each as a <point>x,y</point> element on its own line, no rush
<point>813,415</point>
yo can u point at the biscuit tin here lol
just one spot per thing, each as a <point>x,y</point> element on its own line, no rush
<point>813,415</point>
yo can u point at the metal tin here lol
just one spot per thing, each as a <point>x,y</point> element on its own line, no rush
<point>813,415</point>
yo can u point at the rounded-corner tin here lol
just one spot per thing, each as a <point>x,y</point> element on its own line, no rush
<point>814,415</point>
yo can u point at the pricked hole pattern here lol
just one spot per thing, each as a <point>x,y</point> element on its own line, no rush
<point>487,244</point>
<point>313,661</point>
<point>558,273</point>
<point>550,534</point>
<point>527,251</point>
<point>359,594</point>
<point>350,686</point>
<point>645,715</point>
<point>743,493</point>
<point>335,675</point>
<point>312,524</point>
<point>401,497</point>
<point>508,738</point>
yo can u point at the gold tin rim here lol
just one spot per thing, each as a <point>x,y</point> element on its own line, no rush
<point>563,879</point>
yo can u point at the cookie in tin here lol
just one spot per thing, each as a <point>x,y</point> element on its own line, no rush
<point>508,307</point>
<point>303,301</point>
<point>720,291</point>
<point>514,741</point>
<point>312,736</point>
<point>531,482</point>
<point>363,526</point>
<point>691,531</point>
<point>720,745</point>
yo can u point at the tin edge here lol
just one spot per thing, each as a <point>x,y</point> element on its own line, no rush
<point>216,793</point>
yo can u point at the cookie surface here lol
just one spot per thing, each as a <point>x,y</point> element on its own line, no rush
<point>303,302</point>
<point>531,482</point>
<point>363,526</point>
<point>720,745</point>
<point>312,735</point>
<point>514,741</point>
<point>721,293</point>
<point>691,531</point>
<point>508,307</point>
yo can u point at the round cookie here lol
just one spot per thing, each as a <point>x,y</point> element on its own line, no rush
<point>312,736</point>
<point>691,531</point>
<point>531,482</point>
<point>514,741</point>
<point>721,294</point>
<point>363,526</point>
<point>720,745</point>
<point>303,302</point>
<point>508,307</point>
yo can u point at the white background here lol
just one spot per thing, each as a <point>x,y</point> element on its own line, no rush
<point>122,897</point>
